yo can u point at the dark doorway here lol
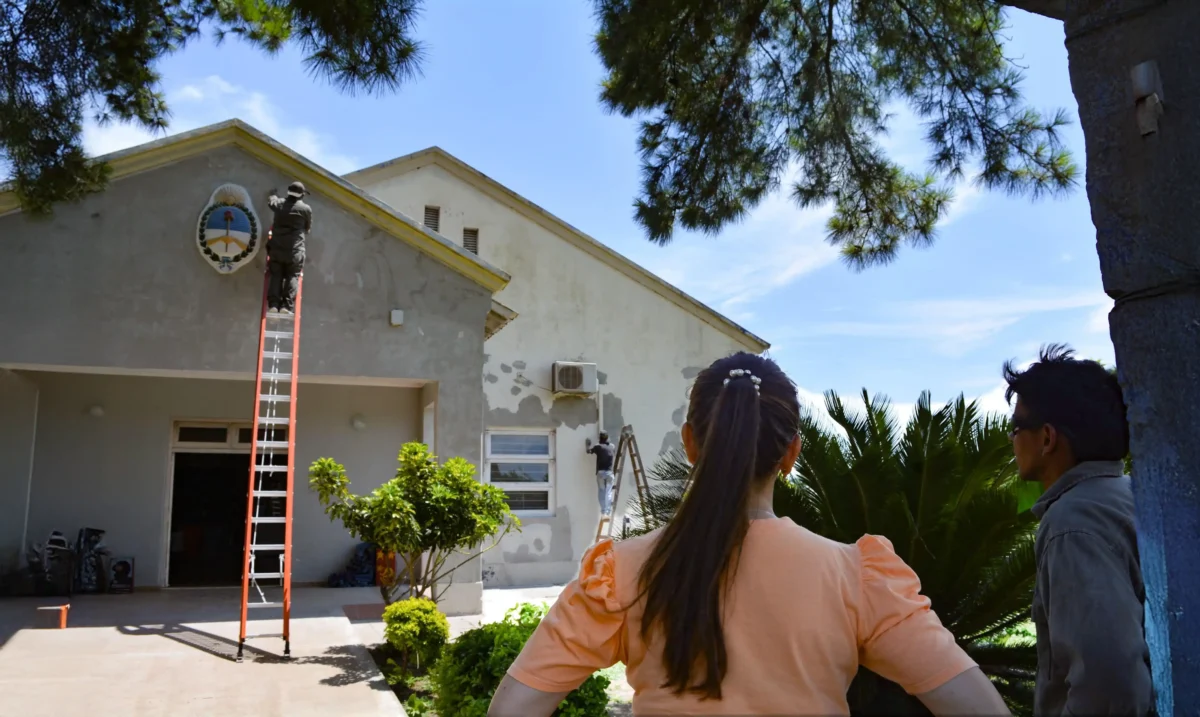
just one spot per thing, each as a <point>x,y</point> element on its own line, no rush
<point>208,519</point>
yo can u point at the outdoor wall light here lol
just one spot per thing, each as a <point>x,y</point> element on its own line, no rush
<point>96,411</point>
<point>358,422</point>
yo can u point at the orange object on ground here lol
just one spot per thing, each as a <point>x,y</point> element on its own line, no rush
<point>385,567</point>
<point>53,616</point>
<point>802,614</point>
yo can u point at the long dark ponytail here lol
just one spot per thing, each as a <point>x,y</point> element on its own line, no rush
<point>744,414</point>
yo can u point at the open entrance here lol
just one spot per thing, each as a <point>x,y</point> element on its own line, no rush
<point>208,503</point>
<point>208,518</point>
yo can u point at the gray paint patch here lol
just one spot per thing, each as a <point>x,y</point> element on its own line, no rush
<point>602,377</point>
<point>522,381</point>
<point>519,365</point>
<point>671,441</point>
<point>491,378</point>
<point>564,411</point>
<point>515,390</point>
<point>692,372</point>
<point>614,419</point>
<point>677,416</point>
<point>560,541</point>
<point>505,368</point>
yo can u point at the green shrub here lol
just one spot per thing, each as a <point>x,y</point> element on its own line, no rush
<point>417,630</point>
<point>472,666</point>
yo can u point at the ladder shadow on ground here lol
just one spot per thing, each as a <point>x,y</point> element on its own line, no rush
<point>353,662</point>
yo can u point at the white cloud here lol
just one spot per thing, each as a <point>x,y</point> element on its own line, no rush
<point>956,326</point>
<point>214,99</point>
<point>772,248</point>
<point>1098,321</point>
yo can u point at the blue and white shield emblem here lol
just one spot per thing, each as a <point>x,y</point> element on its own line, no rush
<point>228,231</point>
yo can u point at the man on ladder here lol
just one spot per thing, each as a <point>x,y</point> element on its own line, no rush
<point>605,452</point>
<point>293,219</point>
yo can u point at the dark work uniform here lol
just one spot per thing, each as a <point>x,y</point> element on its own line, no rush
<point>604,453</point>
<point>293,219</point>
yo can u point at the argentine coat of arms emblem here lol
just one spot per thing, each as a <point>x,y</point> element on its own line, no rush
<point>228,230</point>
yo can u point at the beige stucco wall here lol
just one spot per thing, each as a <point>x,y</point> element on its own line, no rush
<point>571,306</point>
<point>113,472</point>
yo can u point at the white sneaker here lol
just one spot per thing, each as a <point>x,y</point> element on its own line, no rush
<point>285,312</point>
<point>272,311</point>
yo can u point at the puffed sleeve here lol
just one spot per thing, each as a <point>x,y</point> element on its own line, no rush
<point>582,633</point>
<point>899,637</point>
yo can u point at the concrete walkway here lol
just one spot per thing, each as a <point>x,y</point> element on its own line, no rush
<point>171,652</point>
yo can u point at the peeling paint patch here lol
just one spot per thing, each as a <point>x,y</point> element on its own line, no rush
<point>519,365</point>
<point>491,378</point>
<point>602,377</point>
<point>522,381</point>
<point>566,411</point>
<point>614,419</point>
<point>515,390</point>
<point>541,540</point>
<point>505,368</point>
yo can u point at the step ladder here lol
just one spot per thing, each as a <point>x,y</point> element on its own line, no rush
<point>267,557</point>
<point>626,447</point>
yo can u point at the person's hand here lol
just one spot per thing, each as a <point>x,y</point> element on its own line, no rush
<point>273,193</point>
<point>587,442</point>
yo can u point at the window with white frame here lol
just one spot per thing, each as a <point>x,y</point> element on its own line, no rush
<point>521,463</point>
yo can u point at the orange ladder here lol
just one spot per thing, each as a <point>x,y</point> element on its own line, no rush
<point>626,446</point>
<point>268,550</point>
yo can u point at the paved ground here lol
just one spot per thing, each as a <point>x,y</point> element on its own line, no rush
<point>171,652</point>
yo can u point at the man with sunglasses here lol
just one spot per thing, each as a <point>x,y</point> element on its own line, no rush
<point>1069,433</point>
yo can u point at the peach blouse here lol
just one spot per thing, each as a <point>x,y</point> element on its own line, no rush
<point>802,614</point>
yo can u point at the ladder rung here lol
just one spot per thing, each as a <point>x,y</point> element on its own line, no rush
<point>275,397</point>
<point>272,444</point>
<point>277,377</point>
<point>270,494</point>
<point>264,604</point>
<point>279,334</point>
<point>273,420</point>
<point>277,354</point>
<point>269,519</point>
<point>266,575</point>
<point>271,469</point>
<point>267,546</point>
<point>281,316</point>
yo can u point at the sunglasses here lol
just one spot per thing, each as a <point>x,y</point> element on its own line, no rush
<point>1023,424</point>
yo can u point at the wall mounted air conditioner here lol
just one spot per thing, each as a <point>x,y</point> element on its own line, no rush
<point>575,379</point>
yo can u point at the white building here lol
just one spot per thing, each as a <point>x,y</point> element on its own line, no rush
<point>126,361</point>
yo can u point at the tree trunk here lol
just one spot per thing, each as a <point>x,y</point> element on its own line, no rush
<point>1145,203</point>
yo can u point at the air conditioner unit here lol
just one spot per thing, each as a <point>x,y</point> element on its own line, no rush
<point>577,379</point>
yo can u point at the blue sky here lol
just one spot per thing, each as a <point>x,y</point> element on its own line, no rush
<point>513,90</point>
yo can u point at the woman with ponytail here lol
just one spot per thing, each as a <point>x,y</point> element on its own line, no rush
<point>729,610</point>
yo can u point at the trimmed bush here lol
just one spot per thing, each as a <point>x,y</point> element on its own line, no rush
<point>417,630</point>
<point>472,666</point>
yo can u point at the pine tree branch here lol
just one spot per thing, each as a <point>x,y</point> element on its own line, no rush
<point>1053,9</point>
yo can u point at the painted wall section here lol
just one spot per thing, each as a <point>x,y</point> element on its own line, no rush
<point>571,307</point>
<point>116,281</point>
<point>113,472</point>
<point>18,416</point>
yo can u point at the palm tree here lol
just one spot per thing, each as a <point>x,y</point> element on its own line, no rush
<point>945,492</point>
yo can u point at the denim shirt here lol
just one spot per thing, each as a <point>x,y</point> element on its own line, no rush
<point>1088,601</point>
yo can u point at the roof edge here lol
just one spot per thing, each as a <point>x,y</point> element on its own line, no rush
<point>235,132</point>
